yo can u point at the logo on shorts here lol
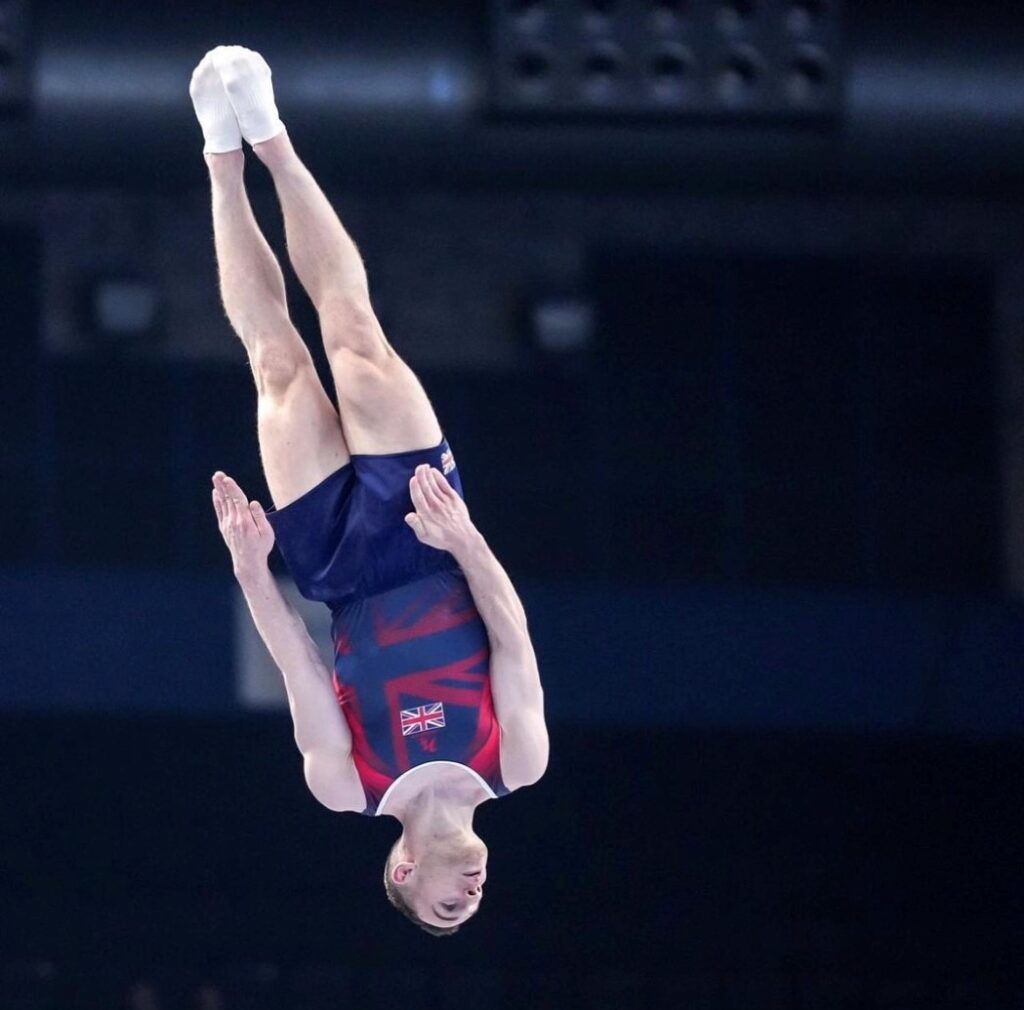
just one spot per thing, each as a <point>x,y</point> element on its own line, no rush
<point>447,462</point>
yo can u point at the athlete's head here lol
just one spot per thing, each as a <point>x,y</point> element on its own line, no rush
<point>438,885</point>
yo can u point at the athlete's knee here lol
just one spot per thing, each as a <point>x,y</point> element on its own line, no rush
<point>349,324</point>
<point>375,391</point>
<point>276,365</point>
<point>361,379</point>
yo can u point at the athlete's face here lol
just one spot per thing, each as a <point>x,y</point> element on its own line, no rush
<point>446,885</point>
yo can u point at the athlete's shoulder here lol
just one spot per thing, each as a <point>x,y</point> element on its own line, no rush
<point>333,779</point>
<point>524,748</point>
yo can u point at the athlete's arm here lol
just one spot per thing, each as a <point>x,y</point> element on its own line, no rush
<point>515,678</point>
<point>442,520</point>
<point>321,732</point>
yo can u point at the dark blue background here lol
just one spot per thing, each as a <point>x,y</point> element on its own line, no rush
<point>764,525</point>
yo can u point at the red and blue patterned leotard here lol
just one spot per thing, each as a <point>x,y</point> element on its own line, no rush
<point>412,674</point>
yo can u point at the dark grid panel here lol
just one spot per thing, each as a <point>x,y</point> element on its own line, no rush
<point>637,58</point>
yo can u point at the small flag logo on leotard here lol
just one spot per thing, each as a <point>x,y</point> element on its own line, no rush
<point>422,718</point>
<point>447,462</point>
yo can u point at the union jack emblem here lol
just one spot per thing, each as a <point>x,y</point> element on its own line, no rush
<point>447,462</point>
<point>422,718</point>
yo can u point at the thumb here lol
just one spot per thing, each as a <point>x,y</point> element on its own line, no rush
<point>414,521</point>
<point>258,516</point>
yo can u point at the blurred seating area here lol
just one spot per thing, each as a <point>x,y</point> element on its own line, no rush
<point>260,986</point>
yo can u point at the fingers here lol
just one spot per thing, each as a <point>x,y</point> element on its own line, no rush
<point>231,488</point>
<point>232,504</point>
<point>430,492</point>
<point>418,493</point>
<point>259,518</point>
<point>220,501</point>
<point>441,485</point>
<point>234,507</point>
<point>435,498</point>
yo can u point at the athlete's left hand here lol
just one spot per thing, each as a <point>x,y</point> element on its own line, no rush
<point>441,518</point>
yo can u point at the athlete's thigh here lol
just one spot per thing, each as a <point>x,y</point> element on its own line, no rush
<point>300,435</point>
<point>383,406</point>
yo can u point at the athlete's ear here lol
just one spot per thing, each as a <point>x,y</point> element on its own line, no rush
<point>401,873</point>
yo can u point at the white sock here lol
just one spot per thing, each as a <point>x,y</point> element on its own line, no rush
<point>246,79</point>
<point>213,110</point>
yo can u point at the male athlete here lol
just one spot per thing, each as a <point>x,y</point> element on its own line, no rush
<point>434,704</point>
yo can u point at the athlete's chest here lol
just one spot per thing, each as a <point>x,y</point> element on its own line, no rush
<point>432,714</point>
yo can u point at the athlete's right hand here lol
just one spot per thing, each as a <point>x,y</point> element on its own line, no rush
<point>243,525</point>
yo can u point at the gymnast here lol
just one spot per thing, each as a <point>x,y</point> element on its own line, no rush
<point>434,704</point>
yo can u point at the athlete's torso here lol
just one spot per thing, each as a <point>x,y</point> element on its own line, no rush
<point>412,673</point>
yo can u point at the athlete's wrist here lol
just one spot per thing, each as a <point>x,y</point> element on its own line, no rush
<point>469,546</point>
<point>252,574</point>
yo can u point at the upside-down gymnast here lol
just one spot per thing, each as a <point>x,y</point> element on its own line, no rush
<point>434,704</point>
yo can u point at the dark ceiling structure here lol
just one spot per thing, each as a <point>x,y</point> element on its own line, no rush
<point>920,96</point>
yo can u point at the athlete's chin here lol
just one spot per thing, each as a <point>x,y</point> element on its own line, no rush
<point>464,844</point>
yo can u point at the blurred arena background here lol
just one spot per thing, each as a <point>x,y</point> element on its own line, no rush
<point>721,305</point>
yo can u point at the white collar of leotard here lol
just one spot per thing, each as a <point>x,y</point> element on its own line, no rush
<point>426,764</point>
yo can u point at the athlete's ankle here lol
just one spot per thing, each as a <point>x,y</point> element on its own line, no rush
<point>228,166</point>
<point>276,152</point>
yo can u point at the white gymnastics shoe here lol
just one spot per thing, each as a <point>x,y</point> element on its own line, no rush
<point>246,79</point>
<point>213,110</point>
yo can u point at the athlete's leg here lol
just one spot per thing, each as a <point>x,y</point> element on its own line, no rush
<point>300,436</point>
<point>383,406</point>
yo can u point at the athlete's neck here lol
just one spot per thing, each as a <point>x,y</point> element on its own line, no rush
<point>436,802</point>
